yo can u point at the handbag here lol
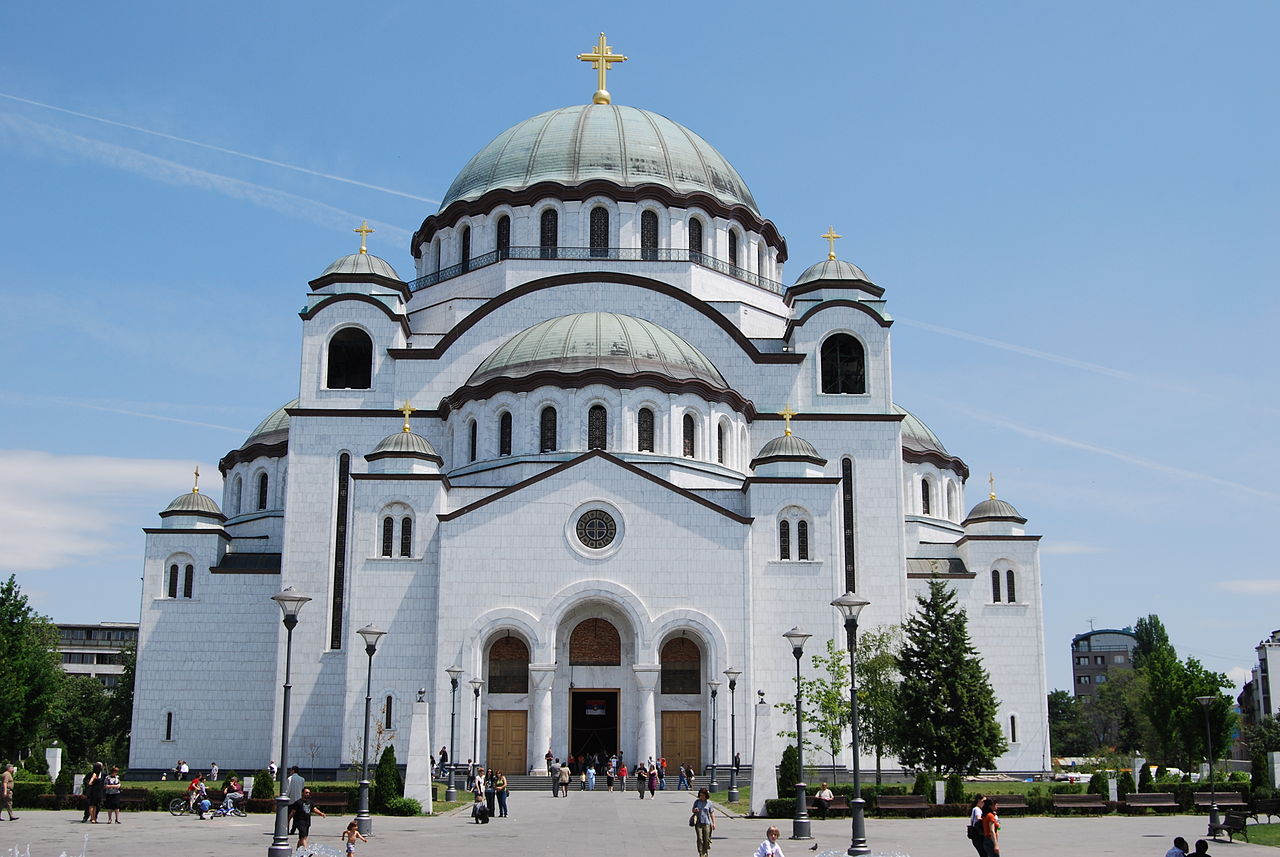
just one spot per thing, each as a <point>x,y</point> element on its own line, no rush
<point>693,820</point>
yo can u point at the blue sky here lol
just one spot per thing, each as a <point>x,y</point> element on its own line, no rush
<point>1072,208</point>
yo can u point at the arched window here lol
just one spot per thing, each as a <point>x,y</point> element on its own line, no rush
<point>168,726</point>
<point>802,540</point>
<point>733,248</point>
<point>339,590</point>
<point>844,365</point>
<point>464,253</point>
<point>784,540</point>
<point>995,586</point>
<point>504,434</point>
<point>720,443</point>
<point>237,487</point>
<point>386,712</point>
<point>595,643</point>
<point>1013,729</point>
<point>597,427</point>
<point>1009,591</point>
<point>188,581</point>
<point>644,430</point>
<point>350,360</point>
<point>388,535</point>
<point>173,581</point>
<point>690,446</point>
<point>681,666</point>
<point>648,236</point>
<point>471,441</point>
<point>926,497</point>
<point>599,232</point>
<point>846,506</point>
<point>504,237</point>
<point>435,254</point>
<point>760,257</point>
<point>695,238</point>
<point>953,501</point>
<point>406,536</point>
<point>549,233</point>
<point>262,491</point>
<point>547,441</point>
<point>508,666</point>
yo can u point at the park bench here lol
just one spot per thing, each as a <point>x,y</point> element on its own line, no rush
<point>901,803</point>
<point>134,798</point>
<point>1009,803</point>
<point>1232,823</point>
<point>1079,802</point>
<point>839,803</point>
<point>1267,806</point>
<point>332,802</point>
<point>1150,800</point>
<point>1224,800</point>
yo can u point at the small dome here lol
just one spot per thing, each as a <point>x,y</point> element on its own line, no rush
<point>405,443</point>
<point>362,263</point>
<point>274,428</point>
<point>993,508</point>
<point>193,503</point>
<point>832,269</point>
<point>790,446</point>
<point>624,145</point>
<point>598,340</point>
<point>916,436</point>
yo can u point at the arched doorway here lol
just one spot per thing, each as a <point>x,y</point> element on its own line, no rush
<point>507,733</point>
<point>680,694</point>
<point>593,711</point>
<point>594,693</point>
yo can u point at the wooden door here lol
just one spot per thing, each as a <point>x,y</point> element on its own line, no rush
<point>682,739</point>
<point>508,731</point>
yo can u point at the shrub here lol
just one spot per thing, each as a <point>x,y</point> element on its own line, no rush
<point>1124,786</point>
<point>387,784</point>
<point>923,785</point>
<point>1097,784</point>
<point>66,780</point>
<point>36,763</point>
<point>402,806</point>
<point>788,771</point>
<point>781,807</point>
<point>1144,779</point>
<point>955,789</point>
<point>264,787</point>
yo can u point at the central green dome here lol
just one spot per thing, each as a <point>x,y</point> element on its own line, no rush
<point>624,145</point>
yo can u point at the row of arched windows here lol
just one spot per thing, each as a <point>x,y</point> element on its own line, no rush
<point>188,577</point>
<point>1010,590</point>
<point>928,500</point>
<point>389,536</point>
<point>793,536</point>
<point>237,487</point>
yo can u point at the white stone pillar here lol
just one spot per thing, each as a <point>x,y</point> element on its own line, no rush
<point>540,678</point>
<point>417,774</point>
<point>646,720</point>
<point>53,755</point>
<point>764,760</point>
<point>1273,759</point>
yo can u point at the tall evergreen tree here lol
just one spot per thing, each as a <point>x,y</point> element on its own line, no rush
<point>948,720</point>
<point>32,671</point>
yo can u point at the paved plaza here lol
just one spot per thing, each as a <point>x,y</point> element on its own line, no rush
<point>586,825</point>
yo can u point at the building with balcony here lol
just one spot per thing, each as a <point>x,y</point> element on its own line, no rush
<point>96,650</point>
<point>1097,654</point>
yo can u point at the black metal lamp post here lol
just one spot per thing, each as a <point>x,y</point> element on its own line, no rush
<point>371,635</point>
<point>455,672</point>
<point>850,606</point>
<point>1214,820</point>
<point>713,785</point>
<point>290,602</point>
<point>732,675</point>
<point>476,684</point>
<point>800,821</point>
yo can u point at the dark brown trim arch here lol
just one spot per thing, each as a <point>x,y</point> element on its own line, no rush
<point>308,314</point>
<point>838,302</point>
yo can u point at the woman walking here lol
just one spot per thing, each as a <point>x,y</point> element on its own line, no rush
<point>975,825</point>
<point>111,795</point>
<point>704,821</point>
<point>991,828</point>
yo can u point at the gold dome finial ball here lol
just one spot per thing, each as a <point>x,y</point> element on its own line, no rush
<point>602,96</point>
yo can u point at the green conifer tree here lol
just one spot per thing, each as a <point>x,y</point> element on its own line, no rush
<point>387,784</point>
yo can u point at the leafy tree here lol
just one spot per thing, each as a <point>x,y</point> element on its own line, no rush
<point>1115,714</point>
<point>118,722</point>
<point>77,718</point>
<point>387,784</point>
<point>826,701</point>
<point>878,681</point>
<point>1196,681</point>
<point>1069,732</point>
<point>947,704</point>
<point>1262,738</point>
<point>32,670</point>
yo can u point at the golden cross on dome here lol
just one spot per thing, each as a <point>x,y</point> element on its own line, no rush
<point>365,232</point>
<point>195,489</point>
<point>601,59</point>
<point>991,481</point>
<point>406,409</point>
<point>831,237</point>
<point>786,413</point>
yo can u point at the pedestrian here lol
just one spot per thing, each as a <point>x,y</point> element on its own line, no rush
<point>183,769</point>
<point>302,816</point>
<point>111,795</point>
<point>553,768</point>
<point>822,800</point>
<point>991,827</point>
<point>90,810</point>
<point>704,821</point>
<point>974,828</point>
<point>271,769</point>
<point>500,786</point>
<point>564,781</point>
<point>653,779</point>
<point>6,792</point>
<point>622,776</point>
<point>1180,848</point>
<point>683,782</point>
<point>479,811</point>
<point>689,772</point>
<point>444,761</point>
<point>737,765</point>
<point>609,773</point>
<point>213,772</point>
<point>490,789</point>
<point>770,846</point>
<point>591,778</point>
<point>548,758</point>
<point>662,773</point>
<point>295,785</point>
<point>350,835</point>
<point>1202,849</point>
<point>642,776</point>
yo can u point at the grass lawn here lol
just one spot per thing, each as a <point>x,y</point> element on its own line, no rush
<point>1264,834</point>
<point>741,807</point>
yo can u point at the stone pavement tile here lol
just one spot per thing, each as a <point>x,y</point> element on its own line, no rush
<point>588,825</point>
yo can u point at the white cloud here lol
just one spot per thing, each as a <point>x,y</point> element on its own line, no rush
<point>1254,586</point>
<point>1070,548</point>
<point>1239,676</point>
<point>57,510</point>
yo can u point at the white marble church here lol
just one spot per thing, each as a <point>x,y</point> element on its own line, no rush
<point>595,450</point>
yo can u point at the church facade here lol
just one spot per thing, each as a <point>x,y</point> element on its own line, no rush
<point>593,452</point>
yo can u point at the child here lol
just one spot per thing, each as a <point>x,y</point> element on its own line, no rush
<point>479,811</point>
<point>350,835</point>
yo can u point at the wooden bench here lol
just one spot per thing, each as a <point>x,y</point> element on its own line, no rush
<point>839,803</point>
<point>331,802</point>
<point>1267,806</point>
<point>901,803</point>
<point>1224,800</point>
<point>1079,802</point>
<point>1150,800</point>
<point>1009,802</point>
<point>1232,823</point>
<point>134,798</point>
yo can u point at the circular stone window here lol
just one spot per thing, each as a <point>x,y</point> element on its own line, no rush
<point>596,529</point>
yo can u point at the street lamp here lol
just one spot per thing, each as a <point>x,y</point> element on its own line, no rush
<point>732,675</point>
<point>713,786</point>
<point>371,635</point>
<point>800,821</point>
<point>455,672</point>
<point>290,601</point>
<point>850,606</point>
<point>1214,821</point>
<point>476,684</point>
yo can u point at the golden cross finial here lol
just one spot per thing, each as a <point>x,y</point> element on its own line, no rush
<point>991,481</point>
<point>786,413</point>
<point>831,237</point>
<point>406,409</point>
<point>601,59</point>
<point>195,489</point>
<point>365,232</point>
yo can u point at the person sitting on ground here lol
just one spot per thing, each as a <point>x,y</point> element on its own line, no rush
<point>234,794</point>
<point>479,811</point>
<point>1179,848</point>
<point>822,800</point>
